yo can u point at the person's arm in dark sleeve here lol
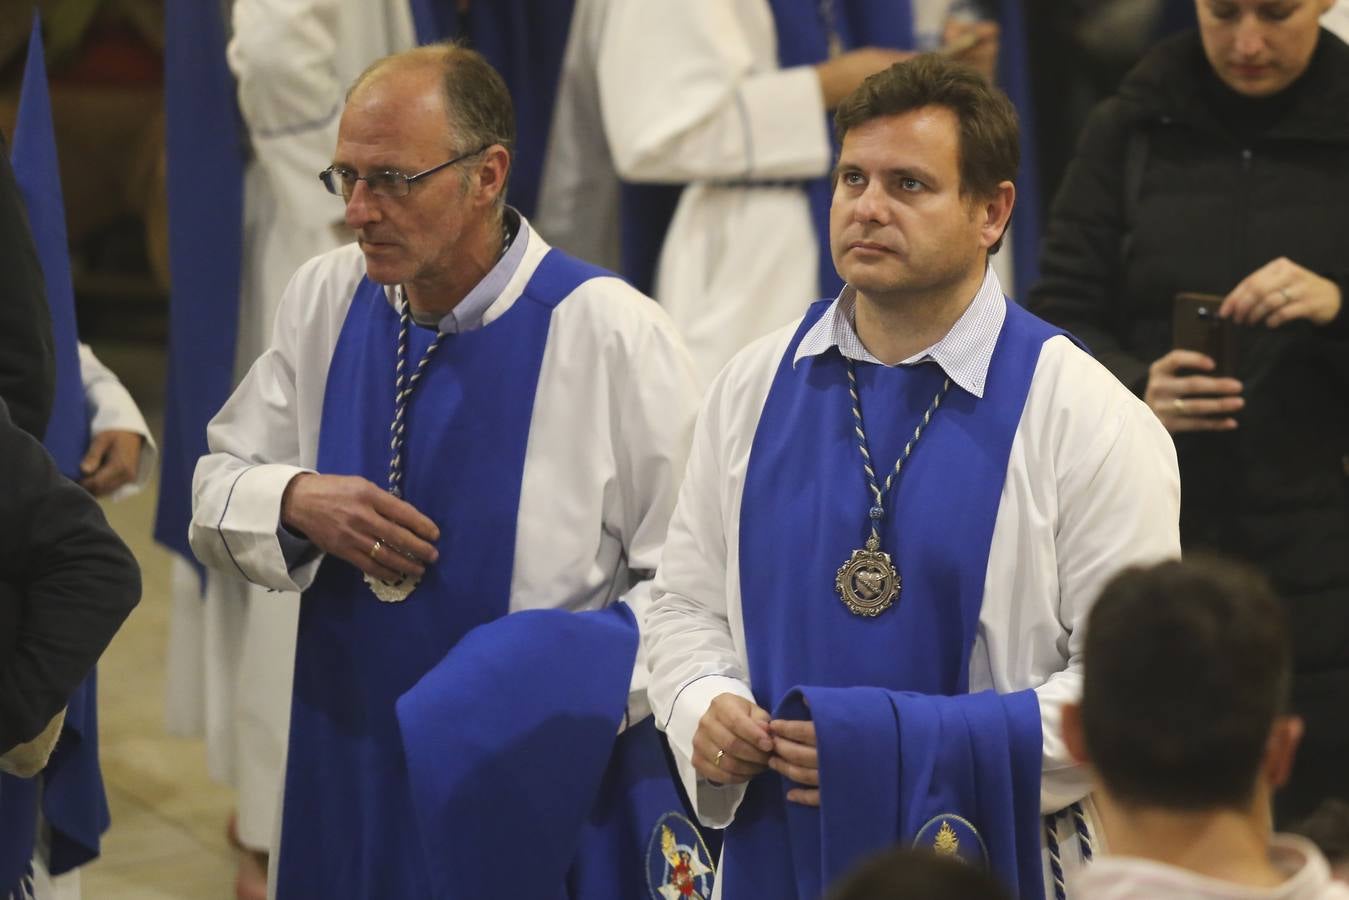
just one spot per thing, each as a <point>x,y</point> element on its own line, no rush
<point>27,364</point>
<point>66,584</point>
<point>1338,327</point>
<point>1080,260</point>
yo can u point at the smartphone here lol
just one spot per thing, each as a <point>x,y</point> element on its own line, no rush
<point>1195,326</point>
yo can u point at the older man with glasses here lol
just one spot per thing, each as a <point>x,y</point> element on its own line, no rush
<point>453,422</point>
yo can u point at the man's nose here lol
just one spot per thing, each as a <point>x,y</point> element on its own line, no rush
<point>361,206</point>
<point>1250,42</point>
<point>870,205</point>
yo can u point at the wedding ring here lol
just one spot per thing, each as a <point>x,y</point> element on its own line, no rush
<point>1179,404</point>
<point>1287,297</point>
<point>717,762</point>
<point>375,549</point>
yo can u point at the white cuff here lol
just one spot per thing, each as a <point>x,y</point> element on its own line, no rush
<point>786,126</point>
<point>248,528</point>
<point>715,805</point>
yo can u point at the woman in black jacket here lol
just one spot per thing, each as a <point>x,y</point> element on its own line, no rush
<point>1222,167</point>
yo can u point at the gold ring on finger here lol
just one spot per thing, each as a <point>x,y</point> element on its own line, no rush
<point>1287,297</point>
<point>717,762</point>
<point>379,542</point>
<point>1179,405</point>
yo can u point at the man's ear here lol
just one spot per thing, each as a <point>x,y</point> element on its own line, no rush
<point>1070,722</point>
<point>490,174</point>
<point>1281,749</point>
<point>996,212</point>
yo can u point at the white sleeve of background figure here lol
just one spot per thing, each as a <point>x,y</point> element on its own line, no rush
<point>283,54</point>
<point>691,91</point>
<point>110,407</point>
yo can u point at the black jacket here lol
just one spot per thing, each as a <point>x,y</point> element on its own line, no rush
<point>66,584</point>
<point>1181,185</point>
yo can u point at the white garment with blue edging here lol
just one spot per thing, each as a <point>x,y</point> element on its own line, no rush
<point>608,439</point>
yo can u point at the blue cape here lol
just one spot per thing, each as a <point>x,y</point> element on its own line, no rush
<point>522,785</point>
<point>206,151</point>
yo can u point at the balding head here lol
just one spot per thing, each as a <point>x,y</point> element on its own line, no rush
<point>477,104</point>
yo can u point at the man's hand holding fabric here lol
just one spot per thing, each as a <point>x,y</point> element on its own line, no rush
<point>796,759</point>
<point>732,743</point>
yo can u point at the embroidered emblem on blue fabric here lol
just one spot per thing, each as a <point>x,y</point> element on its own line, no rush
<point>678,866</point>
<point>950,835</point>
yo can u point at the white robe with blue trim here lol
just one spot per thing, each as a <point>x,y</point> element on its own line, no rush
<point>608,438</point>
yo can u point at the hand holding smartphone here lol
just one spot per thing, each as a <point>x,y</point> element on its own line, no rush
<point>1195,325</point>
<point>1181,389</point>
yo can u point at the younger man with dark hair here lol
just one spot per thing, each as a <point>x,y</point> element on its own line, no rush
<point>1184,716</point>
<point>919,426</point>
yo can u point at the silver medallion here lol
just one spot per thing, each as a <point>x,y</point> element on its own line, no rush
<point>392,591</point>
<point>868,583</point>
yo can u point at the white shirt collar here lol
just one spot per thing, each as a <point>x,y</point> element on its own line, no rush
<point>963,353</point>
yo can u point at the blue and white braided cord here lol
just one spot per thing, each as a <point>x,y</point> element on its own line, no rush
<point>878,493</point>
<point>1052,844</point>
<point>402,394</point>
<point>1055,859</point>
<point>1083,833</point>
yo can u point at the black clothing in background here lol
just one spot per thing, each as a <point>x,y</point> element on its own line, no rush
<point>66,584</point>
<point>1180,184</point>
<point>1072,71</point>
<point>27,366</point>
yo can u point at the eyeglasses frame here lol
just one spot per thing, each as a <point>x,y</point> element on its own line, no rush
<point>407,179</point>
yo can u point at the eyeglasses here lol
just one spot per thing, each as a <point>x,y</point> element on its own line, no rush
<point>341,181</point>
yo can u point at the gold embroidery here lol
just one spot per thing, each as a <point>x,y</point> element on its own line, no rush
<point>946,842</point>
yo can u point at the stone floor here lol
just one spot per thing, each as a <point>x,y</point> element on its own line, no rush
<point>168,819</point>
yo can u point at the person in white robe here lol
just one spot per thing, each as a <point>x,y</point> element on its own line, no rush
<point>603,448</point>
<point>231,644</point>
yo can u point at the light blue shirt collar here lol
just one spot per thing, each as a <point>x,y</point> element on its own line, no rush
<point>468,313</point>
<point>963,353</point>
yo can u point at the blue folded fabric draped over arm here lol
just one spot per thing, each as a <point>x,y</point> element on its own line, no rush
<point>957,775</point>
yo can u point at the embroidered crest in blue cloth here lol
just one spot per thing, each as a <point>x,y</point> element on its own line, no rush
<point>678,865</point>
<point>951,835</point>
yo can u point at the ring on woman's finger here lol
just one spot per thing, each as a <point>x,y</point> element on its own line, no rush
<point>717,762</point>
<point>379,542</point>
<point>1179,405</point>
<point>1287,297</point>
